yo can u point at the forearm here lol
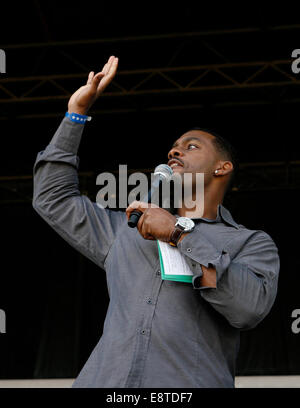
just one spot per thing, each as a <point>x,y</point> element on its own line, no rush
<point>68,136</point>
<point>55,169</point>
<point>242,286</point>
<point>56,195</point>
<point>241,296</point>
<point>58,200</point>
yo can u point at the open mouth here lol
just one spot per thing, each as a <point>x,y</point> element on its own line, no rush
<point>173,163</point>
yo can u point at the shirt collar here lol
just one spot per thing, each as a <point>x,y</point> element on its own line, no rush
<point>222,215</point>
<point>226,216</point>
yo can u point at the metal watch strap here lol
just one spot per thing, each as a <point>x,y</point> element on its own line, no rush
<point>176,234</point>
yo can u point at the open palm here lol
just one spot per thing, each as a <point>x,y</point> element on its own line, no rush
<point>81,101</point>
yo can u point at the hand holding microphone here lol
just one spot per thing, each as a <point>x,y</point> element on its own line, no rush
<point>161,172</point>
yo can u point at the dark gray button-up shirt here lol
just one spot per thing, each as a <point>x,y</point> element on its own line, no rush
<point>158,333</point>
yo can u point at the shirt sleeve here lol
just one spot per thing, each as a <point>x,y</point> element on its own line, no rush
<point>246,285</point>
<point>89,228</point>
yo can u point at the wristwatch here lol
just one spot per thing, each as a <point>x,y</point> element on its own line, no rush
<point>183,224</point>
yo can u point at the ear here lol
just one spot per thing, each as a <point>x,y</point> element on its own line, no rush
<point>225,167</point>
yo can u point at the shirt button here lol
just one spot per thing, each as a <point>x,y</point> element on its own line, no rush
<point>149,301</point>
<point>158,272</point>
<point>189,250</point>
<point>143,331</point>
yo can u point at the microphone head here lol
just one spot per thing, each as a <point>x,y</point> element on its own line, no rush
<point>163,171</point>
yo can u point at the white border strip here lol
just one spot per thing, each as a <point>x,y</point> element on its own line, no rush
<point>276,381</point>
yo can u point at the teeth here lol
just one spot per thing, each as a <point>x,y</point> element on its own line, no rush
<point>174,165</point>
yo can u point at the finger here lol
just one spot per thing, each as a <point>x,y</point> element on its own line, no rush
<point>99,75</point>
<point>150,237</point>
<point>136,205</point>
<point>90,78</point>
<point>143,228</point>
<point>140,224</point>
<point>104,69</point>
<point>107,65</point>
<point>110,73</point>
<point>95,81</point>
<point>113,68</point>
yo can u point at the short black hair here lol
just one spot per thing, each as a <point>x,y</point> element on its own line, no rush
<point>226,149</point>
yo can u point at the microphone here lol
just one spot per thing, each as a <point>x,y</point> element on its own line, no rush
<point>161,172</point>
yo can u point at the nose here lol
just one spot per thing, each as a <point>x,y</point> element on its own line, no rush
<point>174,152</point>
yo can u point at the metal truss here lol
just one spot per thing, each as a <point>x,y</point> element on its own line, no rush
<point>174,78</point>
<point>252,177</point>
<point>225,74</point>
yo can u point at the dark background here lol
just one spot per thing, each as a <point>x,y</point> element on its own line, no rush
<point>227,69</point>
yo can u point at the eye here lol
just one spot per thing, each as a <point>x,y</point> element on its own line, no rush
<point>192,146</point>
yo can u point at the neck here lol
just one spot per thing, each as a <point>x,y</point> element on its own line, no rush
<point>208,209</point>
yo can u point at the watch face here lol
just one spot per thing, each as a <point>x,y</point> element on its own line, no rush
<point>186,223</point>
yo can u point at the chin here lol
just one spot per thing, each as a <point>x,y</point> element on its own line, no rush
<point>178,168</point>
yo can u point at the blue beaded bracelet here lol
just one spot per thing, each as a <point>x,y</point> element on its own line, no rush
<point>76,117</point>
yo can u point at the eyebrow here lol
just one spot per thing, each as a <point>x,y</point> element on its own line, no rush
<point>188,139</point>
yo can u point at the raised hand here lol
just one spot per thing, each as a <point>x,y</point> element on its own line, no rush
<point>81,101</point>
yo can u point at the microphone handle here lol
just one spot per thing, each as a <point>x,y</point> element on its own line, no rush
<point>134,218</point>
<point>136,214</point>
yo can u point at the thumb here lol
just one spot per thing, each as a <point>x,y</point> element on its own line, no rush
<point>95,81</point>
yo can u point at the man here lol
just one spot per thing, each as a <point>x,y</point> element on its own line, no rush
<point>160,333</point>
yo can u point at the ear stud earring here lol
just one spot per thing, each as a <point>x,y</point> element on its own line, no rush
<point>216,171</point>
